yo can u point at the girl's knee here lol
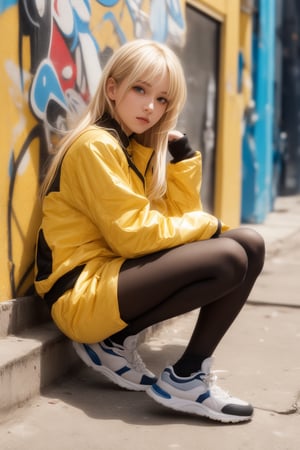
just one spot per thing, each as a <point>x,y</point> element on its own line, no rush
<point>252,242</point>
<point>254,245</point>
<point>234,261</point>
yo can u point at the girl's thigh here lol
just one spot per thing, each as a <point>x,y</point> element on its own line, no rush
<point>153,278</point>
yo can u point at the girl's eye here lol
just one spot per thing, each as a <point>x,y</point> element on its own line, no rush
<point>139,89</point>
<point>162,100</point>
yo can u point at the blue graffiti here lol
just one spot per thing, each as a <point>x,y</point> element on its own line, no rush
<point>109,16</point>
<point>107,3</point>
<point>69,79</point>
<point>157,25</point>
<point>160,14</point>
<point>5,4</point>
<point>45,86</point>
<point>80,25</point>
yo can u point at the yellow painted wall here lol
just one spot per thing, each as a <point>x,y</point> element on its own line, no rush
<point>228,169</point>
<point>50,62</point>
<point>19,161</point>
<point>51,54</point>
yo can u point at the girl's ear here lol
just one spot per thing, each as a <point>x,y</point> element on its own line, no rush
<point>111,88</point>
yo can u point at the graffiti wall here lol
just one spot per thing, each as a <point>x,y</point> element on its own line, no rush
<point>51,56</point>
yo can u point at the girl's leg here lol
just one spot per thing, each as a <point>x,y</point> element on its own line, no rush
<point>216,275</point>
<point>216,318</point>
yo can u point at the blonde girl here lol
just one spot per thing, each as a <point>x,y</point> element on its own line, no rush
<point>124,242</point>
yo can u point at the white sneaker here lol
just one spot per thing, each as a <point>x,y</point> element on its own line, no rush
<point>120,363</point>
<point>198,394</point>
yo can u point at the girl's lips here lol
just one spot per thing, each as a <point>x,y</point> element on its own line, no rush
<point>143,119</point>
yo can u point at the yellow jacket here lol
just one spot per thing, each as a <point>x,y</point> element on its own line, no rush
<point>96,215</point>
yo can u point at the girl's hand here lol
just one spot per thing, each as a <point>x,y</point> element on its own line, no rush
<point>179,146</point>
<point>174,135</point>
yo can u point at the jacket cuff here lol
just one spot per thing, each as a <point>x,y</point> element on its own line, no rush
<point>180,149</point>
<point>218,230</point>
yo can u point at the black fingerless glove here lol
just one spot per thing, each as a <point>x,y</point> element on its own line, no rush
<point>180,149</point>
<point>219,229</point>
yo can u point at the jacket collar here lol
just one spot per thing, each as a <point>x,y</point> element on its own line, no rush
<point>136,154</point>
<point>106,121</point>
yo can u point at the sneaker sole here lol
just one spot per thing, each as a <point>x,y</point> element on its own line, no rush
<point>179,404</point>
<point>108,373</point>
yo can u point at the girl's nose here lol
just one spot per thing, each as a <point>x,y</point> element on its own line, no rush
<point>149,106</point>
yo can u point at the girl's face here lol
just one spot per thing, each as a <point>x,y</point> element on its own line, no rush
<point>142,106</point>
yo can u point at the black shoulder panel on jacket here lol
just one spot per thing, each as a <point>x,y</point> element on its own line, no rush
<point>44,258</point>
<point>55,185</point>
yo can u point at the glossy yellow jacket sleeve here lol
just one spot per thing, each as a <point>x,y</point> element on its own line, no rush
<point>98,183</point>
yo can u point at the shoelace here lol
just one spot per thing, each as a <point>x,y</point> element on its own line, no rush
<point>210,379</point>
<point>137,362</point>
<point>132,356</point>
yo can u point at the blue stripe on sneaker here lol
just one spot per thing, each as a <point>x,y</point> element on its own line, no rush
<point>123,369</point>
<point>159,391</point>
<point>148,381</point>
<point>183,380</point>
<point>108,350</point>
<point>93,355</point>
<point>203,397</point>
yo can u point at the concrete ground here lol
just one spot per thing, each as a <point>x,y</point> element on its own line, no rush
<point>259,359</point>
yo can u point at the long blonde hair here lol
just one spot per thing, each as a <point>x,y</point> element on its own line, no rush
<point>136,60</point>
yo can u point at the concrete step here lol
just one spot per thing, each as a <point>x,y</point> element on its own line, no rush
<point>33,352</point>
<point>21,313</point>
<point>31,361</point>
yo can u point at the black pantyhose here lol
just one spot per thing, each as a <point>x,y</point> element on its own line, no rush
<point>215,275</point>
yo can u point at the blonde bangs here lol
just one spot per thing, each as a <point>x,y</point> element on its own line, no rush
<point>155,61</point>
<point>148,71</point>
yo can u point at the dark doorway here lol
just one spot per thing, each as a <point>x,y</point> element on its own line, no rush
<point>200,57</point>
